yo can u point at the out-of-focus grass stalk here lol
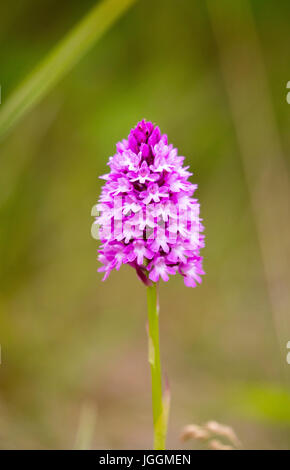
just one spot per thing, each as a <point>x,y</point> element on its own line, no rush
<point>86,429</point>
<point>60,61</point>
<point>260,148</point>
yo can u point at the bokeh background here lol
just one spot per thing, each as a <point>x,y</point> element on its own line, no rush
<point>74,368</point>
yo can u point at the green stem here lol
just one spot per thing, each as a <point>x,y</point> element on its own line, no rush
<point>159,414</point>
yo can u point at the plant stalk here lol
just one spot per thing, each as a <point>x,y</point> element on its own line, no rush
<point>159,410</point>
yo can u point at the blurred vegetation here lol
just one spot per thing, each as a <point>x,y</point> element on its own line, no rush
<point>70,343</point>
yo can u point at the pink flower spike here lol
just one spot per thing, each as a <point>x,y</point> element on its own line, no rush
<point>148,217</point>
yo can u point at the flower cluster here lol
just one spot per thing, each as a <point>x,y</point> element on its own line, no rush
<point>148,216</point>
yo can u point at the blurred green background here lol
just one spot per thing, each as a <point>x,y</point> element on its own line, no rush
<point>213,76</point>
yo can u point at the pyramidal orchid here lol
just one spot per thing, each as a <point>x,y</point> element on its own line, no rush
<point>149,219</point>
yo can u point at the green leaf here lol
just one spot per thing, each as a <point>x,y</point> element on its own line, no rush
<point>60,61</point>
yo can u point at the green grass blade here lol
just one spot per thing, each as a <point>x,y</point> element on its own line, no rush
<point>60,61</point>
